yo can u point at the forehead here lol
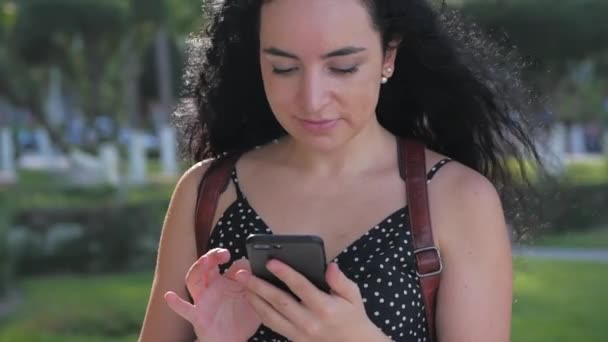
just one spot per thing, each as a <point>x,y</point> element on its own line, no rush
<point>318,25</point>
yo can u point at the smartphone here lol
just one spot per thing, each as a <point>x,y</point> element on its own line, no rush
<point>303,253</point>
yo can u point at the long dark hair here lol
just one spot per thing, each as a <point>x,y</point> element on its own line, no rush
<point>451,88</point>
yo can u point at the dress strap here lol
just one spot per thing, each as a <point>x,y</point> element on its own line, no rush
<point>436,168</point>
<point>235,181</point>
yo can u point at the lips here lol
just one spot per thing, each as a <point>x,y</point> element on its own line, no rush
<point>318,122</point>
<point>318,125</point>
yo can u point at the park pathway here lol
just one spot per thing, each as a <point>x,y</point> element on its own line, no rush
<point>559,253</point>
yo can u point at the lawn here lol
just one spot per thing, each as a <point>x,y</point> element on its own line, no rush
<point>560,301</point>
<point>71,309</point>
<point>554,301</point>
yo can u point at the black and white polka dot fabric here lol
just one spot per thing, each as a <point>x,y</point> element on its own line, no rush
<point>381,262</point>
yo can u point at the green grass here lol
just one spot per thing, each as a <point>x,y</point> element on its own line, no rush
<point>560,301</point>
<point>595,238</point>
<point>554,301</point>
<point>70,308</point>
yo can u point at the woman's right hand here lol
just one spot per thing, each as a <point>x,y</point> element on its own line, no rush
<point>220,311</point>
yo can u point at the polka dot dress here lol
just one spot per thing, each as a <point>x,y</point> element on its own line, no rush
<point>381,262</point>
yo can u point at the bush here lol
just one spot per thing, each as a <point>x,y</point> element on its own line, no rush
<point>5,263</point>
<point>58,229</point>
<point>556,207</point>
<point>87,230</point>
<point>576,207</point>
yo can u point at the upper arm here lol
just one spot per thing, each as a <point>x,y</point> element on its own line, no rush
<point>475,294</point>
<point>176,253</point>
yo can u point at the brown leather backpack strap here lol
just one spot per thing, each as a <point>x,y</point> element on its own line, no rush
<point>214,183</point>
<point>412,166</point>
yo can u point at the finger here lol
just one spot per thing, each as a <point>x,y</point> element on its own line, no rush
<point>282,302</point>
<point>180,306</point>
<point>310,295</point>
<point>207,262</point>
<point>205,270</point>
<point>341,285</point>
<point>241,264</point>
<point>272,318</point>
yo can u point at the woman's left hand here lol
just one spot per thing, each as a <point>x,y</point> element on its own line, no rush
<point>338,316</point>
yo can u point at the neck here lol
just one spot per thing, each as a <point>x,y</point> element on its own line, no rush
<point>371,147</point>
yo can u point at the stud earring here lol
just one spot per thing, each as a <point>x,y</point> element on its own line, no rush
<point>389,72</point>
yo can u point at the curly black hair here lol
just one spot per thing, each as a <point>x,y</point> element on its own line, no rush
<point>452,87</point>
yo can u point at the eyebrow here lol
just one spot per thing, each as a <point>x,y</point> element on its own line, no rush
<point>349,50</point>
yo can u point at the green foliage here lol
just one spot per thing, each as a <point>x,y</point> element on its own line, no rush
<point>561,207</point>
<point>572,201</point>
<point>56,228</point>
<point>45,26</point>
<point>573,174</point>
<point>6,265</point>
<point>554,30</point>
<point>581,102</point>
<point>185,15</point>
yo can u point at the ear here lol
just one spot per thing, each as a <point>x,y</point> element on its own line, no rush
<point>390,56</point>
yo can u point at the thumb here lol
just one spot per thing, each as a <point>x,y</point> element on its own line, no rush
<point>180,306</point>
<point>341,285</point>
<point>241,264</point>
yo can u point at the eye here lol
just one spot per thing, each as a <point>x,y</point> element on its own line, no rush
<point>279,71</point>
<point>350,70</point>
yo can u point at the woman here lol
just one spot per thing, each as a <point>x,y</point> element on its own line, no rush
<point>322,88</point>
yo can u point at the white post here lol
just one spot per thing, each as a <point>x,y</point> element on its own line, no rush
<point>108,154</point>
<point>557,148</point>
<point>577,138</point>
<point>44,143</point>
<point>55,110</point>
<point>7,163</point>
<point>137,158</point>
<point>168,148</point>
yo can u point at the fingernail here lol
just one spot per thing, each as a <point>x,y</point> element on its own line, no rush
<point>242,276</point>
<point>273,265</point>
<point>336,267</point>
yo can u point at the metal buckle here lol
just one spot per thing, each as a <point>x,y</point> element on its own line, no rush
<point>434,273</point>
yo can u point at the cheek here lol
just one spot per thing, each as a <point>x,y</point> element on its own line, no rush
<point>360,98</point>
<point>278,93</point>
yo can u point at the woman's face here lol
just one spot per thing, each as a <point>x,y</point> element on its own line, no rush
<point>322,63</point>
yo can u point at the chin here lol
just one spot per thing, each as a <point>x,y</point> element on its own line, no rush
<point>321,143</point>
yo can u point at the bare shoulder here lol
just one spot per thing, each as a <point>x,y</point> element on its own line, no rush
<point>465,205</point>
<point>194,174</point>
<point>185,192</point>
<point>458,180</point>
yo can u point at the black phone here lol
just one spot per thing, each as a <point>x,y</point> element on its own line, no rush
<point>303,253</point>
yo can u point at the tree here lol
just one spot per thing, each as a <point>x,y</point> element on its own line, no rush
<point>561,37</point>
<point>556,31</point>
<point>78,35</point>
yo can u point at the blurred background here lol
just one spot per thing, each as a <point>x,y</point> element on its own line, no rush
<point>88,160</point>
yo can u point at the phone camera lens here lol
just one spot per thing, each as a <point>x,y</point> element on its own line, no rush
<point>277,246</point>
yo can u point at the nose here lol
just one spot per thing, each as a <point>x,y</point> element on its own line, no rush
<point>313,93</point>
